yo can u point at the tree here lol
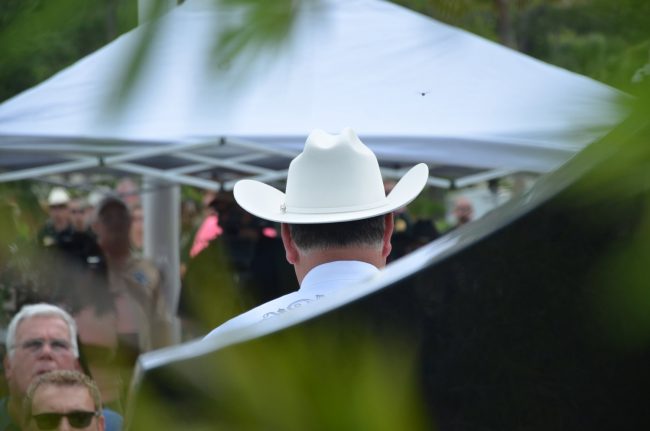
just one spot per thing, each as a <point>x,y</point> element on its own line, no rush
<point>41,37</point>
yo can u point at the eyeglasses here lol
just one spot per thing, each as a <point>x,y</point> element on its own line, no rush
<point>36,345</point>
<point>77,419</point>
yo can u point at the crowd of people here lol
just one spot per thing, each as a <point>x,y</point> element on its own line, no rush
<point>102,305</point>
<point>47,377</point>
<point>93,276</point>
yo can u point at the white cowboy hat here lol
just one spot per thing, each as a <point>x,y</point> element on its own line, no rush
<point>58,196</point>
<point>335,179</point>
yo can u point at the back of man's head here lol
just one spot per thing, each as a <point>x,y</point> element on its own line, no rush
<point>358,233</point>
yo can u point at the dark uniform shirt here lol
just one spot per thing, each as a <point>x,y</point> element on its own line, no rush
<point>80,247</point>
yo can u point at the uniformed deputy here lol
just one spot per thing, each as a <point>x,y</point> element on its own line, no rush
<point>58,233</point>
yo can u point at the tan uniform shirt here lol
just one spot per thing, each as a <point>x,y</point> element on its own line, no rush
<point>139,302</point>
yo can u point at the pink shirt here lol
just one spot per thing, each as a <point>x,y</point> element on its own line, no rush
<point>208,231</point>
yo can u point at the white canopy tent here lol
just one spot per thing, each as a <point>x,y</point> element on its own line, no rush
<point>414,89</point>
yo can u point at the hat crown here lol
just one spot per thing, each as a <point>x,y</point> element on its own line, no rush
<point>58,196</point>
<point>334,173</point>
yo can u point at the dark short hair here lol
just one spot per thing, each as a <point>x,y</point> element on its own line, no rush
<point>365,232</point>
<point>113,213</point>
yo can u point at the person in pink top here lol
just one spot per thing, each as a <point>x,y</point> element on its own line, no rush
<point>209,229</point>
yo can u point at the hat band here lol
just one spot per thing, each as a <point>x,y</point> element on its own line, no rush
<point>330,210</point>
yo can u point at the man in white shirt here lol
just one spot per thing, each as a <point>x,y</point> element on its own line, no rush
<point>336,218</point>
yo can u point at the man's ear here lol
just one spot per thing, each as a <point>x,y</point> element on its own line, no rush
<point>388,232</point>
<point>289,246</point>
<point>101,421</point>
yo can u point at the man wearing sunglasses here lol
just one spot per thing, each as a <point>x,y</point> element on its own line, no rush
<point>40,338</point>
<point>63,400</point>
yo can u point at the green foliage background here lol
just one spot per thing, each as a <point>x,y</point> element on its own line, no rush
<point>604,39</point>
<point>41,37</point>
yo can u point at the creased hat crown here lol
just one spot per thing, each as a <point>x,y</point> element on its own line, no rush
<point>343,171</point>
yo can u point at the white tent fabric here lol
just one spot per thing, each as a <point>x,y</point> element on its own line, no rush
<point>414,89</point>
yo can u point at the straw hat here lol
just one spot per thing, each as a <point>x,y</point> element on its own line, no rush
<point>58,196</point>
<point>335,179</point>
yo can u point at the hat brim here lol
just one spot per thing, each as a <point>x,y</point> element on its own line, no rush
<point>57,202</point>
<point>266,202</point>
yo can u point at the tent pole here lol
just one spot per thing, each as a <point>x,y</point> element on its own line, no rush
<point>161,211</point>
<point>470,180</point>
<point>224,163</point>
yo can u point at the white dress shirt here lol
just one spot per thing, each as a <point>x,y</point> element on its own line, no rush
<point>321,281</point>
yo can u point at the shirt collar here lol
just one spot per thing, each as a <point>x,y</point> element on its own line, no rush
<point>341,271</point>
